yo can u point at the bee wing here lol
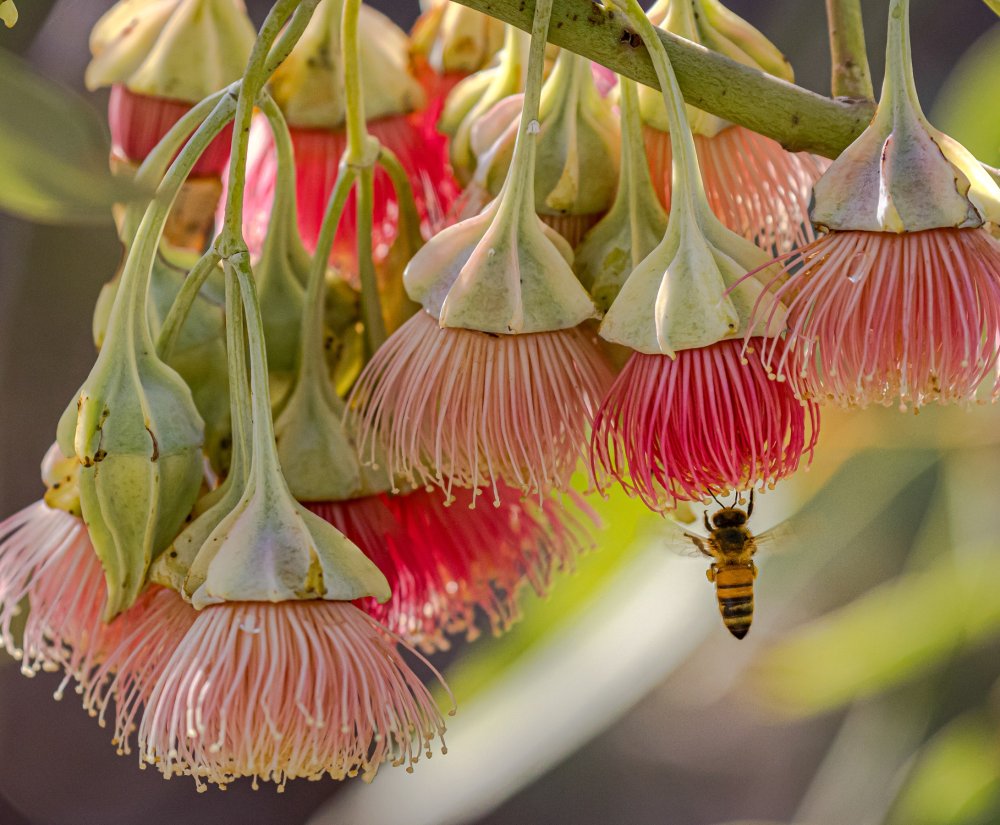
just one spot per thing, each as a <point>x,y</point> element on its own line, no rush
<point>778,539</point>
<point>686,543</point>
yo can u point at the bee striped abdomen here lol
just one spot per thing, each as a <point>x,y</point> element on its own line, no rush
<point>734,588</point>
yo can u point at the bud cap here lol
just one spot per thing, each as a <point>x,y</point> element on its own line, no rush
<point>177,49</point>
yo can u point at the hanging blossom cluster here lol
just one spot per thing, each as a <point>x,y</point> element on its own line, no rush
<point>397,306</point>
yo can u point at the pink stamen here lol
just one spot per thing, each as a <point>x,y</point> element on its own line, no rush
<point>282,691</point>
<point>446,563</point>
<point>460,408</point>
<point>754,187</point>
<point>705,422</point>
<point>879,318</point>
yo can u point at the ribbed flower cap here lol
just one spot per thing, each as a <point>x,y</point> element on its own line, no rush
<point>309,85</point>
<point>177,49</point>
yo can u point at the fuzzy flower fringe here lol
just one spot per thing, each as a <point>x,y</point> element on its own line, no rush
<point>754,186</point>
<point>876,318</point>
<point>448,565</point>
<point>703,423</point>
<point>281,691</point>
<point>460,408</point>
<point>47,559</point>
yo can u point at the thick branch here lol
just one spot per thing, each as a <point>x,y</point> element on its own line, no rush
<point>798,119</point>
<point>849,58</point>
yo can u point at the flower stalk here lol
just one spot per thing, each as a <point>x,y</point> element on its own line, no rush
<point>850,75</point>
<point>798,119</point>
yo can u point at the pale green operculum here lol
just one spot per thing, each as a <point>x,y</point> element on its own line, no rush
<point>199,355</point>
<point>609,252</point>
<point>576,168</point>
<point>280,273</point>
<point>319,459</point>
<point>271,549</point>
<point>688,292</point>
<point>473,98</point>
<point>135,430</point>
<point>723,29</point>
<point>309,85</point>
<point>710,24</point>
<point>902,174</point>
<point>499,274</point>
<point>178,49</point>
<point>455,38</point>
<point>899,176</point>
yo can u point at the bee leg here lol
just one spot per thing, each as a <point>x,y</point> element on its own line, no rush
<point>698,542</point>
<point>753,569</point>
<point>708,525</point>
<point>750,505</point>
<point>710,573</point>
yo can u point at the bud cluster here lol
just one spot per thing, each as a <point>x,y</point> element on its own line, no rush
<point>458,281</point>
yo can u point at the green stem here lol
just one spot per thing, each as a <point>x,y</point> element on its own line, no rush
<point>636,184</point>
<point>798,119</point>
<point>519,186</point>
<point>687,191</point>
<point>409,216</point>
<point>362,153</point>
<point>371,303</point>
<point>154,166</point>
<point>264,457</point>
<point>290,36</point>
<point>284,222</point>
<point>899,91</point>
<point>231,240</point>
<point>130,304</point>
<point>850,74</point>
<point>358,151</point>
<point>311,340</point>
<point>239,386</point>
<point>183,301</point>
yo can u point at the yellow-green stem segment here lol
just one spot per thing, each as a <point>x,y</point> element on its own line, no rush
<point>798,119</point>
<point>850,75</point>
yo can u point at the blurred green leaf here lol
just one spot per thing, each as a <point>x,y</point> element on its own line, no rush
<point>957,776</point>
<point>53,152</point>
<point>993,4</point>
<point>966,107</point>
<point>624,520</point>
<point>888,636</point>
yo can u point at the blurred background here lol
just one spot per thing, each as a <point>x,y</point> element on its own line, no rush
<point>867,691</point>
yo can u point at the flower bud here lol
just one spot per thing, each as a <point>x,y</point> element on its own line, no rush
<point>319,458</point>
<point>634,225</point>
<point>475,96</point>
<point>135,429</point>
<point>708,23</point>
<point>309,85</point>
<point>901,174</point>
<point>450,38</point>
<point>576,169</point>
<point>199,353</point>
<point>161,56</point>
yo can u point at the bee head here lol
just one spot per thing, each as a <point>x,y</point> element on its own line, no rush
<point>729,517</point>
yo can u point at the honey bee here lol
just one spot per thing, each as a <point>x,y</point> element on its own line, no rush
<point>731,546</point>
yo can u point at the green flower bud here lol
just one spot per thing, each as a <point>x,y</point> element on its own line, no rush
<point>135,430</point>
<point>199,353</point>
